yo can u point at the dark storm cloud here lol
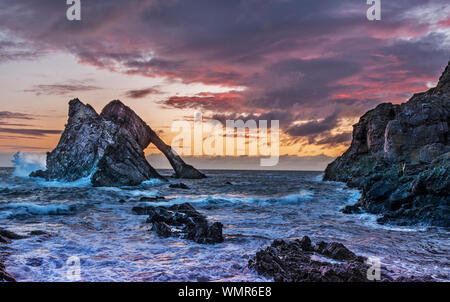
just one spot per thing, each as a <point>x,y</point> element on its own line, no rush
<point>61,89</point>
<point>334,140</point>
<point>15,115</point>
<point>140,93</point>
<point>32,132</point>
<point>297,59</point>
<point>314,127</point>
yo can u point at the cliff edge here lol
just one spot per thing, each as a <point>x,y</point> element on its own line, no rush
<point>400,158</point>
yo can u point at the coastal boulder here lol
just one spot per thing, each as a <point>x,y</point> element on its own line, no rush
<point>301,261</point>
<point>183,221</point>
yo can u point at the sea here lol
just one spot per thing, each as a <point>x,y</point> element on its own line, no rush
<point>97,226</point>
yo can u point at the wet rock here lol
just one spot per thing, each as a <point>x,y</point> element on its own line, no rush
<point>400,159</point>
<point>4,276</point>
<point>179,186</point>
<point>39,233</point>
<point>182,220</point>
<point>152,198</point>
<point>123,116</point>
<point>335,251</point>
<point>107,148</point>
<point>351,209</point>
<point>10,235</point>
<point>5,238</point>
<point>300,261</point>
<point>34,262</point>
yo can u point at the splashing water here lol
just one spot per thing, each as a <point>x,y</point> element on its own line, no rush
<point>25,163</point>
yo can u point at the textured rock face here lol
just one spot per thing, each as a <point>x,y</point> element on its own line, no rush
<point>301,261</point>
<point>94,147</point>
<point>182,220</point>
<point>108,148</point>
<point>399,157</point>
<point>144,135</point>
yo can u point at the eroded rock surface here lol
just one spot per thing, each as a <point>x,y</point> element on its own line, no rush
<point>107,148</point>
<point>399,157</point>
<point>144,135</point>
<point>301,261</point>
<point>183,221</point>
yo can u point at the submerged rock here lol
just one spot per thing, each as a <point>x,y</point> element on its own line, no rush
<point>179,186</point>
<point>107,148</point>
<point>301,261</point>
<point>399,158</point>
<point>182,220</point>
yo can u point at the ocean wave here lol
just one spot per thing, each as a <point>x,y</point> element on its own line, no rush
<point>25,163</point>
<point>79,183</point>
<point>370,220</point>
<point>28,209</point>
<point>224,200</point>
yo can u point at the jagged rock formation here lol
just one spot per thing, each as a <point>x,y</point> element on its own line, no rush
<point>400,158</point>
<point>107,148</point>
<point>126,118</point>
<point>181,220</point>
<point>301,261</point>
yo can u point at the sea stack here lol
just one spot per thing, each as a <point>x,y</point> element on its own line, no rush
<point>400,159</point>
<point>107,148</point>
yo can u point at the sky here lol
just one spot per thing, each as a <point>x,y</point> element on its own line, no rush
<point>316,66</point>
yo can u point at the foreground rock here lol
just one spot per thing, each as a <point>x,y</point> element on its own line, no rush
<point>301,261</point>
<point>106,148</point>
<point>183,221</point>
<point>400,159</point>
<point>6,237</point>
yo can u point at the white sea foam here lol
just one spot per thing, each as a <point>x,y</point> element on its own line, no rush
<point>18,209</point>
<point>223,200</point>
<point>25,163</point>
<point>79,183</point>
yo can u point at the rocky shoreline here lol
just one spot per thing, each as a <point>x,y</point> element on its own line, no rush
<point>400,159</point>
<point>302,261</point>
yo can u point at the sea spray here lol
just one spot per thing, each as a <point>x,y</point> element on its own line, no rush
<point>25,163</point>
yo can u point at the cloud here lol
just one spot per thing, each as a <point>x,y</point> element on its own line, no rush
<point>334,140</point>
<point>32,132</point>
<point>314,127</point>
<point>298,60</point>
<point>61,88</point>
<point>15,115</point>
<point>141,93</point>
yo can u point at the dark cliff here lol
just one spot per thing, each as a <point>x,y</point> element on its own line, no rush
<point>400,158</point>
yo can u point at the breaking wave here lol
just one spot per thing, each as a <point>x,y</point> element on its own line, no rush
<point>25,163</point>
<point>11,210</point>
